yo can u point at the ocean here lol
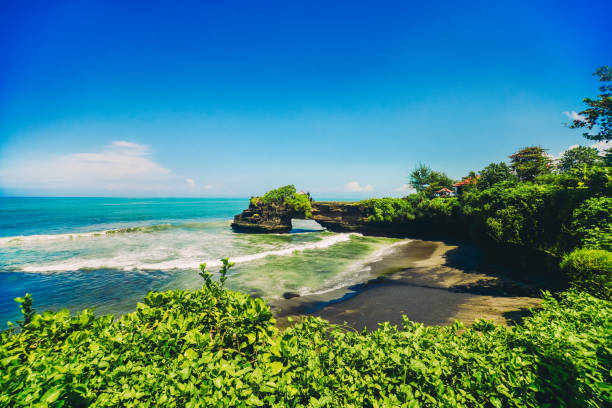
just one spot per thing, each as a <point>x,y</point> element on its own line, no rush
<point>107,253</point>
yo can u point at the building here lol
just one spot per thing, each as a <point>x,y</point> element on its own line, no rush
<point>444,192</point>
<point>460,186</point>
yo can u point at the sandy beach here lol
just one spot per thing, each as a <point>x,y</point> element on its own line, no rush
<point>431,282</point>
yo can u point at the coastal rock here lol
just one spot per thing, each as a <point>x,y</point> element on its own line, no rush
<point>264,219</point>
<point>340,216</point>
<point>271,218</point>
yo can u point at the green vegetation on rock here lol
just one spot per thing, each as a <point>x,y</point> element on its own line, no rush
<point>286,196</point>
<point>554,214</point>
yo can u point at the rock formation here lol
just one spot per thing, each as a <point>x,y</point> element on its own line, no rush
<point>273,218</point>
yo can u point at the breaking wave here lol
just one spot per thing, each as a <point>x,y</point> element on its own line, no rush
<point>141,261</point>
<point>145,229</point>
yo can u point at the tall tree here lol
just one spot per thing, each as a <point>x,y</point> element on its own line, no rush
<point>530,162</point>
<point>494,173</point>
<point>419,177</point>
<point>579,156</point>
<point>424,179</point>
<point>599,111</point>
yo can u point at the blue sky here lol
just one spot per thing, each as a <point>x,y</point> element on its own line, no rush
<point>232,98</point>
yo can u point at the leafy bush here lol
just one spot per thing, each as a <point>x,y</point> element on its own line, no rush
<point>387,210</point>
<point>179,348</point>
<point>595,179</point>
<point>592,223</point>
<point>437,208</point>
<point>590,270</point>
<point>495,173</point>
<point>216,348</point>
<point>524,214</point>
<point>286,196</point>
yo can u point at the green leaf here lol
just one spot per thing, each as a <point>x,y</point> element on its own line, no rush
<point>253,400</point>
<point>276,367</point>
<point>52,395</point>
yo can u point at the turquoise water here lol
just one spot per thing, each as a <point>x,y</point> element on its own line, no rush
<point>107,253</point>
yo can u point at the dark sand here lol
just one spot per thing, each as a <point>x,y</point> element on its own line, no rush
<point>428,281</point>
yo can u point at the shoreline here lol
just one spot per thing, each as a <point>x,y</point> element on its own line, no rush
<point>431,282</point>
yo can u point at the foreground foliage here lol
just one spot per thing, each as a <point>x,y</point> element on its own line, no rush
<point>217,348</point>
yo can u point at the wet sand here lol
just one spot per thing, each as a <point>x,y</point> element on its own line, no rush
<point>431,282</point>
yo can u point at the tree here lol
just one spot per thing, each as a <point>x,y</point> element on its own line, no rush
<point>494,173</point>
<point>599,111</point>
<point>438,180</point>
<point>424,179</point>
<point>577,157</point>
<point>419,177</point>
<point>530,162</point>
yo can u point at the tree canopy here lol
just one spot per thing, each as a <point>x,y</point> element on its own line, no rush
<point>494,173</point>
<point>599,111</point>
<point>419,177</point>
<point>530,162</point>
<point>578,156</point>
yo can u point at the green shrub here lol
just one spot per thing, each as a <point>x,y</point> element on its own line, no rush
<point>592,223</point>
<point>438,208</point>
<point>217,348</point>
<point>525,214</point>
<point>286,196</point>
<point>590,270</point>
<point>387,210</point>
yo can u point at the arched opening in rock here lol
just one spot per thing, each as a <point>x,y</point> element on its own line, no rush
<point>301,225</point>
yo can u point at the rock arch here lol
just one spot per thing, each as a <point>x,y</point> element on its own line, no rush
<point>270,218</point>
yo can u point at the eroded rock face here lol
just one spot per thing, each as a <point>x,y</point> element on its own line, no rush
<point>340,216</point>
<point>271,218</point>
<point>263,218</point>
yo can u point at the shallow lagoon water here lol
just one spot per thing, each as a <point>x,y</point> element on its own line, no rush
<point>108,253</point>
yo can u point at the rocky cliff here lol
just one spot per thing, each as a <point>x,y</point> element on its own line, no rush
<point>273,218</point>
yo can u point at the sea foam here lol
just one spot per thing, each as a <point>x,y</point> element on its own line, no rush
<point>27,239</point>
<point>358,272</point>
<point>136,261</point>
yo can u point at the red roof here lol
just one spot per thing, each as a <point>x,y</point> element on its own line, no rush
<point>466,181</point>
<point>444,190</point>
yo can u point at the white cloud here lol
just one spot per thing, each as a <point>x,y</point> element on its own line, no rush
<point>190,182</point>
<point>602,146</point>
<point>575,116</point>
<point>354,186</point>
<point>405,188</point>
<point>121,167</point>
<point>122,144</point>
